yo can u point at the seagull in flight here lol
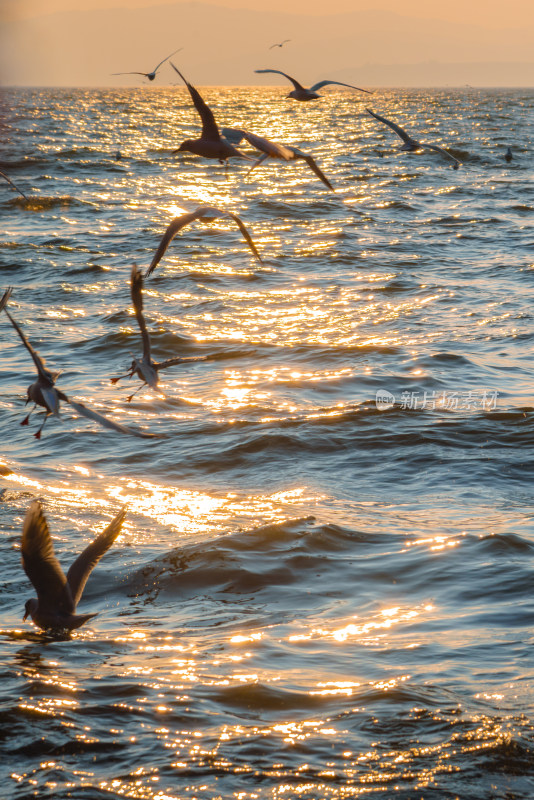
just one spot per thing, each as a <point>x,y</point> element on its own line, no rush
<point>146,369</point>
<point>54,608</point>
<point>211,144</point>
<point>149,75</point>
<point>45,393</point>
<point>275,150</point>
<point>16,188</point>
<point>280,44</point>
<point>301,93</point>
<point>204,214</point>
<point>411,144</point>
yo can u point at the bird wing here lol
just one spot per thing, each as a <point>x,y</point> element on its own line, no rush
<point>312,165</point>
<point>257,163</point>
<point>146,74</point>
<point>41,565</point>
<point>171,362</point>
<point>272,149</point>
<point>5,297</point>
<point>209,126</point>
<point>394,127</point>
<point>336,83</point>
<point>176,225</point>
<point>246,234</point>
<point>16,188</point>
<point>295,83</point>
<point>104,421</point>
<point>136,289</point>
<point>86,561</point>
<point>166,59</point>
<point>232,135</point>
<point>442,151</point>
<point>44,374</point>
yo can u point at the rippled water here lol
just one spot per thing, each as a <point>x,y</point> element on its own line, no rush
<point>313,597</point>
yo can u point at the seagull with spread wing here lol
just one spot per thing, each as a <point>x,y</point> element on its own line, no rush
<point>275,150</point>
<point>411,144</point>
<point>279,44</point>
<point>45,393</point>
<point>54,608</point>
<point>301,93</point>
<point>204,214</point>
<point>149,75</point>
<point>146,369</point>
<point>210,144</point>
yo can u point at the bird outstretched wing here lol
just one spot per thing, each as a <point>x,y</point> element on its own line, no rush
<point>336,83</point>
<point>295,83</point>
<point>104,421</point>
<point>394,127</point>
<point>81,569</point>
<point>210,129</point>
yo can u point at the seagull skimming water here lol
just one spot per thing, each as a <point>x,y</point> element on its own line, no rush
<point>146,368</point>
<point>410,143</point>
<point>54,608</point>
<point>204,214</point>
<point>211,144</point>
<point>301,93</point>
<point>44,392</point>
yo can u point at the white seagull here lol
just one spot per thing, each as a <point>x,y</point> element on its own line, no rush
<point>149,75</point>
<point>275,150</point>
<point>204,214</point>
<point>146,369</point>
<point>410,143</point>
<point>54,608</point>
<point>44,392</point>
<point>301,93</point>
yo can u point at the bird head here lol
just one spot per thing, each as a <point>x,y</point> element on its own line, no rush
<point>185,147</point>
<point>29,607</point>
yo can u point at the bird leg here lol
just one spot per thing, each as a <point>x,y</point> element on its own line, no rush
<point>26,419</point>
<point>38,434</point>
<point>129,399</point>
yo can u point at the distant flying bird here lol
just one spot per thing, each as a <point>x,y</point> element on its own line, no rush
<point>44,392</point>
<point>508,155</point>
<point>146,368</point>
<point>16,188</point>
<point>275,150</point>
<point>281,44</point>
<point>300,93</point>
<point>210,144</point>
<point>411,144</point>
<point>204,214</point>
<point>54,608</point>
<point>149,75</point>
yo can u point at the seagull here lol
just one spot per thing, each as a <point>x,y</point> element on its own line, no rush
<point>44,392</point>
<point>300,93</point>
<point>411,144</point>
<point>281,44</point>
<point>508,155</point>
<point>204,214</point>
<point>54,608</point>
<point>211,144</point>
<point>149,75</point>
<point>275,150</point>
<point>16,188</point>
<point>146,368</point>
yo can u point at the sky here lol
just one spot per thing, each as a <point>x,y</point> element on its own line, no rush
<point>81,42</point>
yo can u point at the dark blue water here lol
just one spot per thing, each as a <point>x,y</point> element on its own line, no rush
<point>316,594</point>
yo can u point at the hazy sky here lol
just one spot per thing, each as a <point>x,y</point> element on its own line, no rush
<point>377,42</point>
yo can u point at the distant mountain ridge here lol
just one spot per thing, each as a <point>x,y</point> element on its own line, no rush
<point>224,46</point>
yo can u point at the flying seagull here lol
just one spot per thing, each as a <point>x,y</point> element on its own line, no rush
<point>16,188</point>
<point>275,150</point>
<point>44,392</point>
<point>280,44</point>
<point>411,144</point>
<point>146,369</point>
<point>300,93</point>
<point>54,608</point>
<point>149,75</point>
<point>204,214</point>
<point>211,144</point>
